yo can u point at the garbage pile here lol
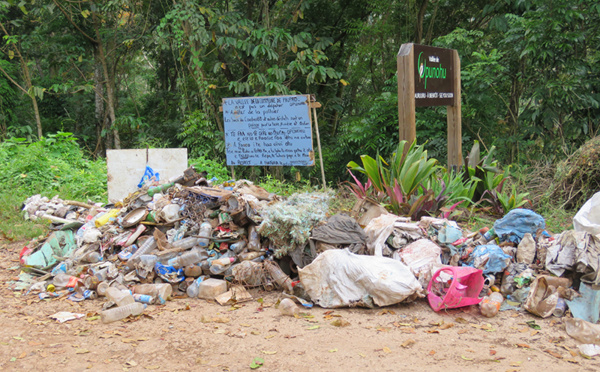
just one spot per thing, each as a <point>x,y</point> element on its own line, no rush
<point>190,237</point>
<point>186,237</point>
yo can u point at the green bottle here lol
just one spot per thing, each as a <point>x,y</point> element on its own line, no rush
<point>155,190</point>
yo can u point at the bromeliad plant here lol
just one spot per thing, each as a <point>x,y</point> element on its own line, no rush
<point>401,179</point>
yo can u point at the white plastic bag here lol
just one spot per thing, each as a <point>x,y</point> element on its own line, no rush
<point>588,217</point>
<point>339,278</point>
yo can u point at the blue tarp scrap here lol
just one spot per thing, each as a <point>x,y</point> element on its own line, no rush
<point>516,223</point>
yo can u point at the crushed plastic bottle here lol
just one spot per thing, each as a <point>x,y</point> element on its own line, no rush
<point>63,280</point>
<point>582,331</point>
<point>119,297</point>
<point>122,312</point>
<point>490,305</point>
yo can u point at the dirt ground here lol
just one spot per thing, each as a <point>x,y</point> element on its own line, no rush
<point>196,335</point>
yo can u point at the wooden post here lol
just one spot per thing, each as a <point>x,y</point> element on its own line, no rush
<point>455,157</point>
<point>406,94</point>
<point>313,106</point>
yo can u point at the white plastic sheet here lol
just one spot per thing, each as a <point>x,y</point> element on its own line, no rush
<point>588,217</point>
<point>339,278</point>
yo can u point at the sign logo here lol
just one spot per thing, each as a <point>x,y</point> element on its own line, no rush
<point>427,72</point>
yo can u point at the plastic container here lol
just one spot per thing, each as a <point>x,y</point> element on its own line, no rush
<point>582,331</point>
<point>205,231</point>
<point>238,247</point>
<point>188,259</point>
<point>490,305</point>
<point>288,307</point>
<point>119,297</point>
<point>122,312</point>
<point>103,219</point>
<point>253,239</point>
<point>464,287</point>
<point>211,288</point>
<point>170,213</point>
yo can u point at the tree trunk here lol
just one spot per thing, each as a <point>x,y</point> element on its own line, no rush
<point>99,103</point>
<point>419,26</point>
<point>110,96</point>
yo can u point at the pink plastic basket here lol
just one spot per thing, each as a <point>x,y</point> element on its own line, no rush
<point>463,290</point>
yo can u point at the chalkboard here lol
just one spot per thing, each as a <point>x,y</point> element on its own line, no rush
<point>268,131</point>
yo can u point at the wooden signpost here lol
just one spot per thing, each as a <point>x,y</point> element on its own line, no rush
<point>429,76</point>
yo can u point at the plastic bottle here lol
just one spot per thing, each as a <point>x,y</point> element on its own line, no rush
<point>148,246</point>
<point>288,307</point>
<point>158,189</point>
<point>248,256</point>
<point>582,331</point>
<point>238,247</point>
<point>253,239</point>
<point>279,276</point>
<point>219,266</point>
<point>185,243</point>
<point>103,220</point>
<point>187,259</point>
<point>119,297</point>
<point>205,231</point>
<point>63,280</point>
<point>491,304</point>
<point>62,267</point>
<point>91,257</point>
<point>122,312</point>
<point>192,289</point>
<point>161,292</point>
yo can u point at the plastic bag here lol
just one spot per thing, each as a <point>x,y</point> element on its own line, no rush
<point>516,223</point>
<point>338,278</point>
<point>588,217</point>
<point>149,174</point>
<point>490,258</point>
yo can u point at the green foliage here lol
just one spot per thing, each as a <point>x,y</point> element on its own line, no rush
<point>53,165</point>
<point>212,167</point>
<point>202,137</point>
<point>402,179</point>
<point>285,188</point>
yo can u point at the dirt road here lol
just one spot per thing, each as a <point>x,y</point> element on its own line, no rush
<point>195,335</point>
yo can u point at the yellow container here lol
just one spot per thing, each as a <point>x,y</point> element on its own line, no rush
<point>103,220</point>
